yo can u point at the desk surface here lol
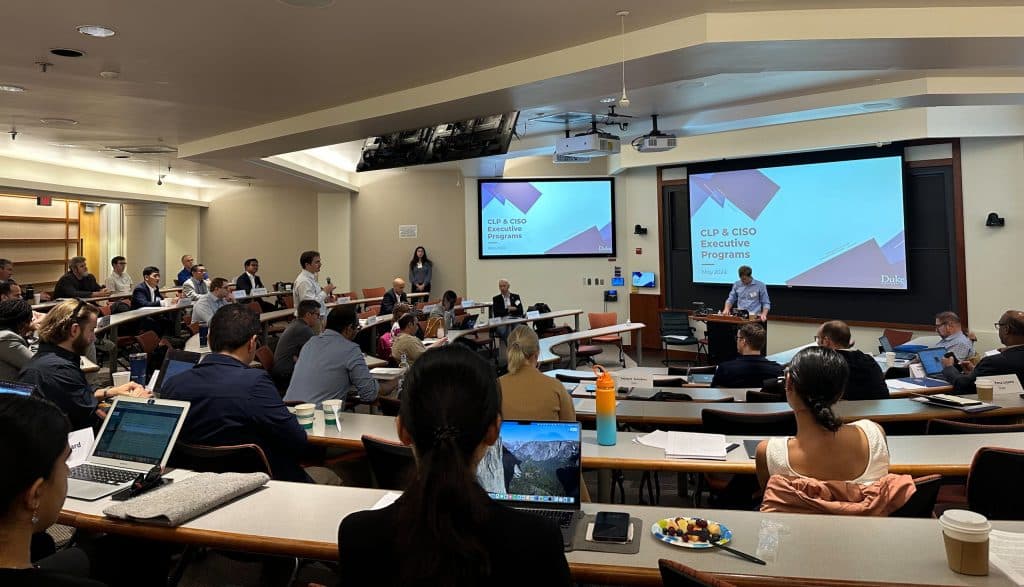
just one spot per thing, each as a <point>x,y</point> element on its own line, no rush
<point>118,319</point>
<point>302,520</point>
<point>914,455</point>
<point>547,354</point>
<point>496,322</point>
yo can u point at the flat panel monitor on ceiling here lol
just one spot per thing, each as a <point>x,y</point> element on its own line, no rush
<point>524,218</point>
<point>831,224</point>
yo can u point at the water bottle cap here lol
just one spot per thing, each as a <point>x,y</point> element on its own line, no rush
<point>604,379</point>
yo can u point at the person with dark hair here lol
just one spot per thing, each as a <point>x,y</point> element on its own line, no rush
<point>33,451</point>
<point>395,295</point>
<point>208,303</point>
<point>748,294</point>
<point>248,281</point>
<point>444,529</point>
<point>330,363</point>
<point>749,368</point>
<point>234,404</point>
<point>824,448</point>
<point>15,325</point>
<point>307,286</point>
<point>148,295</point>
<point>866,380</point>
<point>1007,360</point>
<point>446,310</point>
<point>119,281</point>
<point>78,282</point>
<point>952,335</point>
<point>299,331</point>
<point>408,344</point>
<point>56,370</point>
<point>196,285</point>
<point>10,290</point>
<point>421,270</point>
<point>6,270</point>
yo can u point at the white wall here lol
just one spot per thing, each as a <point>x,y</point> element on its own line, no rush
<point>333,215</point>
<point>182,238</point>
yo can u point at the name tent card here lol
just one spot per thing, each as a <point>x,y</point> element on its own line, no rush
<point>1006,384</point>
<point>259,291</point>
<point>80,442</point>
<point>533,314</point>
<point>238,294</point>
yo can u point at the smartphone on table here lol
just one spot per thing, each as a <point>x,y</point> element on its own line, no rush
<point>611,527</point>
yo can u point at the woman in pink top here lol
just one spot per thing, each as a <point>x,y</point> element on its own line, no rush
<point>824,448</point>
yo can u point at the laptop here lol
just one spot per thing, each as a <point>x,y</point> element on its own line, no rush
<point>883,341</point>
<point>537,470</point>
<point>700,378</point>
<point>469,322</point>
<point>931,360</point>
<point>15,388</point>
<point>175,362</point>
<point>137,434</point>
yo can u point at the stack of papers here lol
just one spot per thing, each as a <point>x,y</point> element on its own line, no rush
<point>1006,552</point>
<point>686,445</point>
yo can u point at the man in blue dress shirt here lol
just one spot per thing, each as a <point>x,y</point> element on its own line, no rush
<point>947,325</point>
<point>749,294</point>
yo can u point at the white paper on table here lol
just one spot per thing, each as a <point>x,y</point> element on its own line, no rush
<point>634,381</point>
<point>897,384</point>
<point>696,445</point>
<point>586,405</point>
<point>656,439</point>
<point>388,499</point>
<point>80,442</point>
<point>917,370</point>
<point>1006,551</point>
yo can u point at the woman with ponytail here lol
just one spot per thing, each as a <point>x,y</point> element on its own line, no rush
<point>445,530</point>
<point>526,393</point>
<point>824,448</point>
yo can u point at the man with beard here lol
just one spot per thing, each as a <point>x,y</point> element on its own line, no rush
<point>64,335</point>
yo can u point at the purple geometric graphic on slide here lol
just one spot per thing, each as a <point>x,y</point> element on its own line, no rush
<point>865,265</point>
<point>895,250</point>
<point>521,195</point>
<point>749,190</point>
<point>590,240</point>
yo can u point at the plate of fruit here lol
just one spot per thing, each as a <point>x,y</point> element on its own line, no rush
<point>691,532</point>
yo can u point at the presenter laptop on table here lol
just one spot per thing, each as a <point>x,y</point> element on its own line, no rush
<point>137,434</point>
<point>539,471</point>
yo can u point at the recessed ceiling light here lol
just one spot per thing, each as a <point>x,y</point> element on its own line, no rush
<point>608,99</point>
<point>134,160</point>
<point>11,88</point>
<point>95,30</point>
<point>874,106</point>
<point>59,121</point>
<point>308,3</point>
<point>110,74</point>
<point>65,52</point>
<point>64,145</point>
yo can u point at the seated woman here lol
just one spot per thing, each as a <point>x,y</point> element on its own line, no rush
<point>33,448</point>
<point>15,325</point>
<point>526,393</point>
<point>445,530</point>
<point>823,448</point>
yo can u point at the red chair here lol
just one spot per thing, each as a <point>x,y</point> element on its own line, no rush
<point>600,320</point>
<point>675,574</point>
<point>374,292</point>
<point>370,311</point>
<point>898,337</point>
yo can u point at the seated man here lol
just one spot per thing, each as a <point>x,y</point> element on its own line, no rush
<point>147,295</point>
<point>866,380</point>
<point>234,404</point>
<point>749,368</point>
<point>195,286</point>
<point>504,304</point>
<point>248,281</point>
<point>330,364</point>
<point>393,296</point>
<point>56,370</point>
<point>208,304</point>
<point>947,325</point>
<point>1009,359</point>
<point>299,331</point>
<point>407,343</point>
<point>186,269</point>
<point>119,281</point>
<point>78,282</point>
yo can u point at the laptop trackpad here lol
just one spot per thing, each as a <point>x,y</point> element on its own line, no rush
<point>89,491</point>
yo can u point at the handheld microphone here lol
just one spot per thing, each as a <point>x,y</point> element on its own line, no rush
<point>328,281</point>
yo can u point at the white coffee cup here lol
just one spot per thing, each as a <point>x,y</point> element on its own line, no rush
<point>332,406</point>
<point>304,412</point>
<point>121,377</point>
<point>965,534</point>
<point>36,298</point>
<point>890,359</point>
<point>986,389</point>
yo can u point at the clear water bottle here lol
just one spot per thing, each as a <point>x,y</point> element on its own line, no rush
<point>404,365</point>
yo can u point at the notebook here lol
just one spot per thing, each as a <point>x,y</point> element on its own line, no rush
<point>695,445</point>
<point>136,435</point>
<point>537,470</point>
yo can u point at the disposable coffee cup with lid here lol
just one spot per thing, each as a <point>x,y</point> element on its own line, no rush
<point>965,534</point>
<point>986,389</point>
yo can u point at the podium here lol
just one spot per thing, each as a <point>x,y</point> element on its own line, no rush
<point>721,334</point>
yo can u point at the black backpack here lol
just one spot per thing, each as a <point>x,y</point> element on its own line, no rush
<point>541,326</point>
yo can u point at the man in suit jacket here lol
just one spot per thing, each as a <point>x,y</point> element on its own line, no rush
<point>1009,359</point>
<point>866,379</point>
<point>196,285</point>
<point>248,281</point>
<point>147,295</point>
<point>749,368</point>
<point>393,296</point>
<point>506,303</point>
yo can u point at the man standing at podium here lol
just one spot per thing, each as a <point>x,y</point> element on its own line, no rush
<point>748,294</point>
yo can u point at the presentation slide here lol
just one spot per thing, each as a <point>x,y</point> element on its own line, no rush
<point>837,224</point>
<point>539,218</point>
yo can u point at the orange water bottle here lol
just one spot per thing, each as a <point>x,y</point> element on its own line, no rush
<point>606,427</point>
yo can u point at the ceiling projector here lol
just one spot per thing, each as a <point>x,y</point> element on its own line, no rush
<point>655,141</point>
<point>588,145</point>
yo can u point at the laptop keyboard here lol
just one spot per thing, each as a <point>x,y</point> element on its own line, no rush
<point>562,517</point>
<point>96,474</point>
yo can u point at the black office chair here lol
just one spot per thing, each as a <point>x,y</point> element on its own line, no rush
<point>994,482</point>
<point>391,464</point>
<point>922,503</point>
<point>675,574</point>
<point>754,397</point>
<point>238,458</point>
<point>677,331</point>
<point>723,422</point>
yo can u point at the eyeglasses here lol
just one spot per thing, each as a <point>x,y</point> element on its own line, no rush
<point>999,325</point>
<point>817,338</point>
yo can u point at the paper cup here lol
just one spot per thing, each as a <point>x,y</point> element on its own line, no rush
<point>890,359</point>
<point>36,298</point>
<point>121,377</point>
<point>965,535</point>
<point>329,412</point>
<point>986,389</point>
<point>304,412</point>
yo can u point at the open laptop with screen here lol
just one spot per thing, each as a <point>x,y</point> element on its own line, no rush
<point>931,360</point>
<point>16,388</point>
<point>537,470</point>
<point>137,434</point>
<point>883,341</point>
<point>175,362</point>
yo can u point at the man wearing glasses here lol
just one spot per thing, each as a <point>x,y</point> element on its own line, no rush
<point>748,294</point>
<point>119,281</point>
<point>56,372</point>
<point>953,339</point>
<point>1007,360</point>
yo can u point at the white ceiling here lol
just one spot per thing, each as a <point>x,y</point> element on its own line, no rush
<point>196,68</point>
